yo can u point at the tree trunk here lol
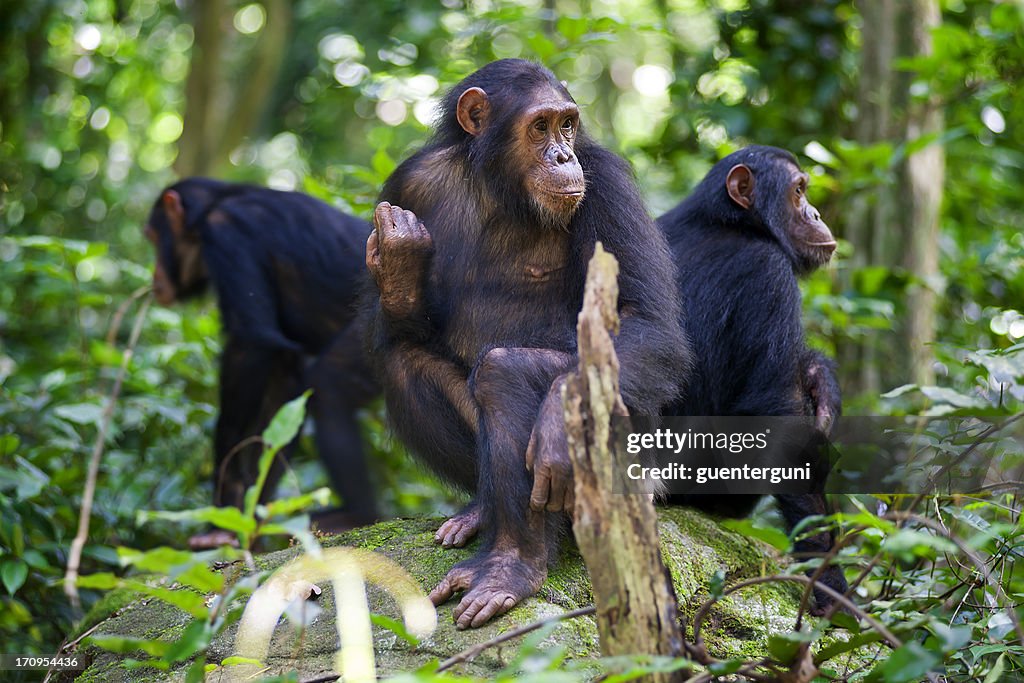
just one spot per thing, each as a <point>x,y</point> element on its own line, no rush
<point>218,118</point>
<point>925,174</point>
<point>637,612</point>
<point>871,216</point>
<point>895,224</point>
<point>261,78</point>
<point>199,135</point>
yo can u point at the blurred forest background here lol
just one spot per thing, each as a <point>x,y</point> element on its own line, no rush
<point>908,115</point>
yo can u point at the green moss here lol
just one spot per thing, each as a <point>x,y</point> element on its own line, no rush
<point>694,548</point>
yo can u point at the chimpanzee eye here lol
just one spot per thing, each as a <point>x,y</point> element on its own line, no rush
<point>567,126</point>
<point>541,125</point>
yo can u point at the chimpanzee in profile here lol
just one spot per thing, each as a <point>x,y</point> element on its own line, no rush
<point>287,270</point>
<point>480,279</point>
<point>741,240</point>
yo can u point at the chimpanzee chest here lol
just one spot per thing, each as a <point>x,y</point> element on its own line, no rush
<point>504,294</point>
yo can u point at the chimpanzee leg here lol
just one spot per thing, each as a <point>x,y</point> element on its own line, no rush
<point>509,386</point>
<point>432,410</point>
<point>795,508</point>
<point>342,383</point>
<point>254,383</point>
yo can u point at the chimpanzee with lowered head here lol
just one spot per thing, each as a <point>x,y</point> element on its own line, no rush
<point>740,241</point>
<point>287,271</point>
<point>479,255</point>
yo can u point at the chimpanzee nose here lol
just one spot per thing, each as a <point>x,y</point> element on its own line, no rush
<point>562,156</point>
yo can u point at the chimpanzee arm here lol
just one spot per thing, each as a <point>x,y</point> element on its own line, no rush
<point>653,351</point>
<point>427,394</point>
<point>234,254</point>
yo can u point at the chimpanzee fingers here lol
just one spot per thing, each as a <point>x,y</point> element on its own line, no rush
<point>556,499</point>
<point>373,252</point>
<point>480,611</point>
<point>456,580</point>
<point>462,537</point>
<point>421,230</point>
<point>824,419</point>
<point>382,220</point>
<point>531,451</point>
<point>620,408</point>
<point>400,221</point>
<point>541,489</point>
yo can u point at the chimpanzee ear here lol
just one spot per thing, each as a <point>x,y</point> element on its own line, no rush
<point>740,185</point>
<point>175,212</point>
<point>473,110</point>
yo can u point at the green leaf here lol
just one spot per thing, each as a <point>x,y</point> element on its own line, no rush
<point>159,560</point>
<point>193,639</point>
<point>202,578</point>
<point>952,638</point>
<point>228,518</point>
<point>286,423</point>
<point>952,397</point>
<point>911,543</point>
<point>571,27</point>
<point>101,581</point>
<point>729,666</point>
<point>999,624</point>
<point>996,674</point>
<point>783,647</point>
<point>125,645</point>
<point>183,599</point>
<point>716,585</point>
<point>13,572</point>
<point>907,664</point>
<point>773,537</point>
<point>288,506</point>
<point>843,646</point>
<point>282,429</point>
<point>396,627</point>
<point>899,391</point>
<point>80,413</point>
<point>239,661</point>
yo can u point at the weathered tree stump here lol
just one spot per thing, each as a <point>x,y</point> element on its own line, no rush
<point>637,611</point>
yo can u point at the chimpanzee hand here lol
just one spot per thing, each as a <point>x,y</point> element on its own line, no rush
<point>548,456</point>
<point>822,389</point>
<point>398,254</point>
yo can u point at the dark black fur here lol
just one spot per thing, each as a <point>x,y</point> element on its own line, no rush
<point>287,270</point>
<point>479,298</point>
<point>737,273</point>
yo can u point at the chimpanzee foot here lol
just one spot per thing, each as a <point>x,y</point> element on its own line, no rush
<point>214,538</point>
<point>833,578</point>
<point>494,584</point>
<point>460,529</point>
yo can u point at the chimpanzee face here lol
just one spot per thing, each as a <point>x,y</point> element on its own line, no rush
<point>778,200</point>
<point>179,271</point>
<point>811,238</point>
<point>538,148</point>
<point>545,137</point>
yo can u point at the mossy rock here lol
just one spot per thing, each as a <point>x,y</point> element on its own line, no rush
<point>695,547</point>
